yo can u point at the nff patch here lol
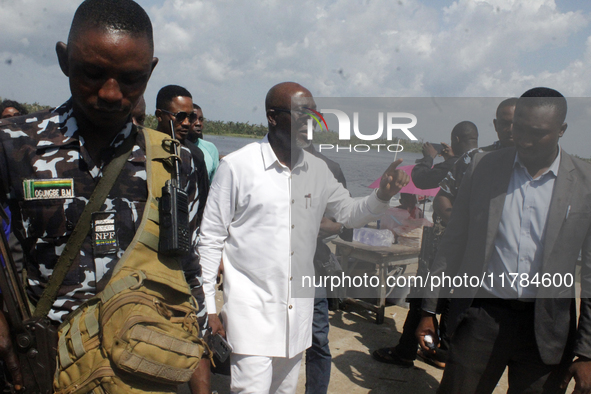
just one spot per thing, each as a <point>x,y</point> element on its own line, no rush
<point>104,234</point>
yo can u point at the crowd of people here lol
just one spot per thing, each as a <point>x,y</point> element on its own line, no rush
<point>259,217</point>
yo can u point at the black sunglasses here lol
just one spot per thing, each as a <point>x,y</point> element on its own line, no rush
<point>182,115</point>
<point>296,112</point>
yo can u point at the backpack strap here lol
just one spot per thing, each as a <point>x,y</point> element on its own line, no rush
<point>142,252</point>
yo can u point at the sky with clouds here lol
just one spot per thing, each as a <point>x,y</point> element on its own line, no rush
<point>229,53</point>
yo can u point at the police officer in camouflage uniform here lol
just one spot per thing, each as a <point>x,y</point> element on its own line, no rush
<point>51,162</point>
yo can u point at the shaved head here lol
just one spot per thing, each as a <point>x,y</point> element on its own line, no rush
<point>504,120</point>
<point>287,105</point>
<point>465,130</point>
<point>464,137</point>
<point>280,95</point>
<point>510,102</point>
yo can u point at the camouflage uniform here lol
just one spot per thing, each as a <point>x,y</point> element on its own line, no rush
<point>451,183</point>
<point>47,177</point>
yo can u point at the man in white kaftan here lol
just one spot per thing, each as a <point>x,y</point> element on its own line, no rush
<point>262,217</point>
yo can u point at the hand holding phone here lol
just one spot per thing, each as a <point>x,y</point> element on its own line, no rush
<point>218,345</point>
<point>430,149</point>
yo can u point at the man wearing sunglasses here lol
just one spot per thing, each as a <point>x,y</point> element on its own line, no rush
<point>175,103</point>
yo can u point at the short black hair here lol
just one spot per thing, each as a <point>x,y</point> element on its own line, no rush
<point>465,130</point>
<point>195,106</point>
<point>167,93</point>
<point>545,97</point>
<point>112,15</point>
<point>13,104</point>
<point>510,102</point>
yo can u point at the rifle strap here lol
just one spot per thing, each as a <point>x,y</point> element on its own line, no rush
<point>72,248</point>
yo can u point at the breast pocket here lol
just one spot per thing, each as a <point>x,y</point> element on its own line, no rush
<point>578,215</point>
<point>47,225</point>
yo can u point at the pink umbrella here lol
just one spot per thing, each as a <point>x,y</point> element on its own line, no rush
<point>410,188</point>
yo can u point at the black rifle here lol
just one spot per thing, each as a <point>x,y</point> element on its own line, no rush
<point>35,339</point>
<point>175,237</point>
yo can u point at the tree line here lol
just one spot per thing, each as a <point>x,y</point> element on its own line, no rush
<point>246,129</point>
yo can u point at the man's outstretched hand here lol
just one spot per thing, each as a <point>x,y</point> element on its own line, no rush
<point>392,181</point>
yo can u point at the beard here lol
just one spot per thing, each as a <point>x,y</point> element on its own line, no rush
<point>303,144</point>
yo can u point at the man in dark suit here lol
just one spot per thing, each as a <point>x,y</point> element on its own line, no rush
<point>519,211</point>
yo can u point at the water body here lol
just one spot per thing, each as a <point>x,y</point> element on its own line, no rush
<point>360,169</point>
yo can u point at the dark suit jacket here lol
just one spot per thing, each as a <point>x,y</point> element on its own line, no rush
<point>468,243</point>
<point>425,175</point>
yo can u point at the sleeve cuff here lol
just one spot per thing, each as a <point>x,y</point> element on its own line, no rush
<point>428,160</point>
<point>429,305</point>
<point>375,204</point>
<point>210,305</point>
<point>387,202</point>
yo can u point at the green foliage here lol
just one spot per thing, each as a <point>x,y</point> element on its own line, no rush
<point>411,146</point>
<point>32,108</point>
<point>151,122</point>
<point>220,127</point>
<point>36,107</point>
<point>582,158</point>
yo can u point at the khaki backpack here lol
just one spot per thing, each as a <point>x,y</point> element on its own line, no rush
<point>140,334</point>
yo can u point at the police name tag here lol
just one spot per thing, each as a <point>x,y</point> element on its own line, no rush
<point>47,189</point>
<point>104,234</point>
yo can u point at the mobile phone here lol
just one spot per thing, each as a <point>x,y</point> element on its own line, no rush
<point>438,147</point>
<point>219,346</point>
<point>429,342</point>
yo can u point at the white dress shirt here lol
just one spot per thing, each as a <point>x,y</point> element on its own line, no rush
<point>263,219</point>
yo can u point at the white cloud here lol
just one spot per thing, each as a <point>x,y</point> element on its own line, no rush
<point>32,27</point>
<point>229,53</point>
